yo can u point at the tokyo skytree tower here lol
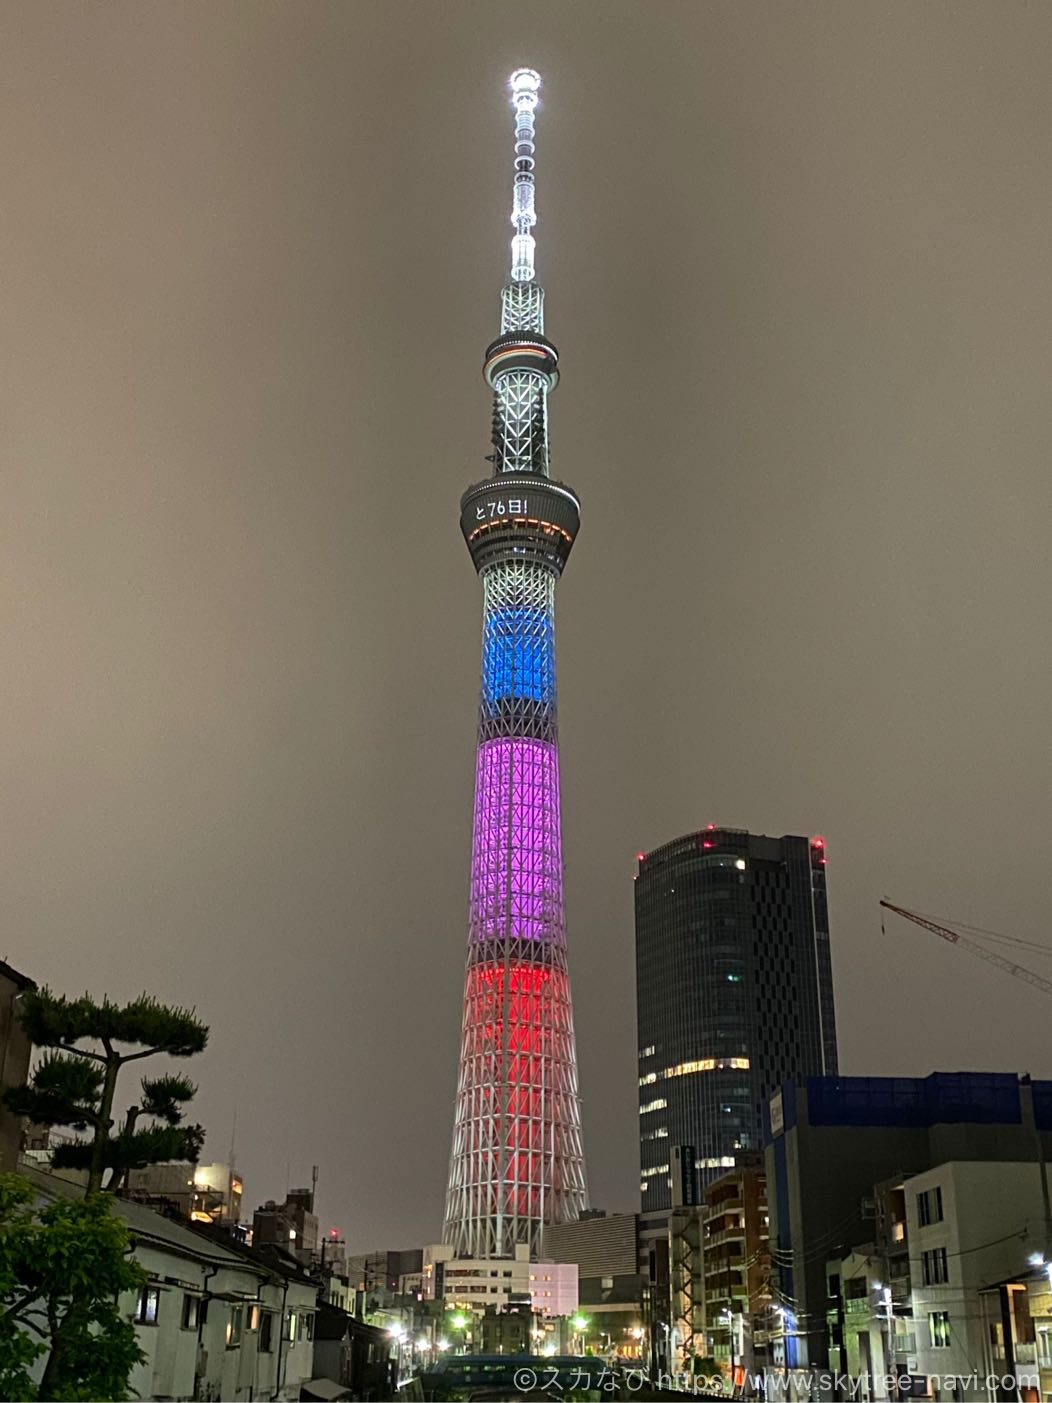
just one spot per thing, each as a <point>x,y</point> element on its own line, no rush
<point>517,1164</point>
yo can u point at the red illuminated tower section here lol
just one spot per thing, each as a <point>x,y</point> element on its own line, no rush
<point>516,1163</point>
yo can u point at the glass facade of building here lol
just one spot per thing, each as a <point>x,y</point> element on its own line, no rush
<point>734,990</point>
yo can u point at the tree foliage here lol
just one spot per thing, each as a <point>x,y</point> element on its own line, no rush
<point>74,1083</point>
<point>63,1266</point>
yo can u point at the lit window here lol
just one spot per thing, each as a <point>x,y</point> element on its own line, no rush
<point>939,1328</point>
<point>147,1306</point>
<point>658,1105</point>
<point>234,1326</point>
<point>253,1317</point>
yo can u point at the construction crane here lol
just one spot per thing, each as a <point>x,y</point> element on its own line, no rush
<point>1017,972</point>
<point>973,946</point>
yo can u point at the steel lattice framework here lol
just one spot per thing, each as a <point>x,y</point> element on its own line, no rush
<point>517,1162</point>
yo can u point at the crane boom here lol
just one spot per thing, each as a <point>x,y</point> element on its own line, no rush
<point>973,946</point>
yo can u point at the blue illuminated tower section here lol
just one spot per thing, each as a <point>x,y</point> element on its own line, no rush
<point>517,1163</point>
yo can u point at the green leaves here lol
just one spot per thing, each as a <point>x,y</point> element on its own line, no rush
<point>62,1268</point>
<point>64,1091</point>
<point>53,1020</point>
<point>162,1097</point>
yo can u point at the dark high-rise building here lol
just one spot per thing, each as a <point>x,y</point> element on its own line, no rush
<point>734,993</point>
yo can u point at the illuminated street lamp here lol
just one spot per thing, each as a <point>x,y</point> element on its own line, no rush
<point>459,1322</point>
<point>580,1324</point>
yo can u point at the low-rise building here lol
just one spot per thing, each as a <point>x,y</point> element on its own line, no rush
<point>15,1053</point>
<point>214,1321</point>
<point>476,1284</point>
<point>353,1354</point>
<point>839,1151</point>
<point>292,1225</point>
<point>971,1228</point>
<point>204,1193</point>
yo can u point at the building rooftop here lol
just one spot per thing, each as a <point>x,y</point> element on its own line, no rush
<point>942,1098</point>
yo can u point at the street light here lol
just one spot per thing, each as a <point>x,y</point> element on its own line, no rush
<point>398,1334</point>
<point>580,1324</point>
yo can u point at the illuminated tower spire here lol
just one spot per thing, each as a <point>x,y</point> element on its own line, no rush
<point>525,84</point>
<point>517,1163</point>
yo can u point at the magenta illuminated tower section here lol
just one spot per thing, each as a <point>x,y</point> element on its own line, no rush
<point>517,1163</point>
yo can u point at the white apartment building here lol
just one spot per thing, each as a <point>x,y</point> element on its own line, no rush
<point>969,1225</point>
<point>474,1284</point>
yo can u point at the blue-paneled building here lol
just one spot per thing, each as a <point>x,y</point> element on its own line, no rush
<point>832,1140</point>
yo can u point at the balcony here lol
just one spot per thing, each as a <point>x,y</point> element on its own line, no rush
<point>728,1235</point>
<point>725,1205</point>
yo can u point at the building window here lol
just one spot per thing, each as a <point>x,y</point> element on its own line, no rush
<point>291,1327</point>
<point>253,1317</point>
<point>933,1266</point>
<point>147,1306</point>
<point>266,1332</point>
<point>234,1326</point>
<point>929,1206</point>
<point>1045,1341</point>
<point>191,1312</point>
<point>939,1328</point>
<point>308,1327</point>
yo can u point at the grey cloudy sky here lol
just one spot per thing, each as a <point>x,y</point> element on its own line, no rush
<point>797,259</point>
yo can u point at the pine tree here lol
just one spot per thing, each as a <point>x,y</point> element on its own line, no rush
<point>75,1082</point>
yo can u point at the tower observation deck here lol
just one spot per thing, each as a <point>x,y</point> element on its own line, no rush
<point>517,1164</point>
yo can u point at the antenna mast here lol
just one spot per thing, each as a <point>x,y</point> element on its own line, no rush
<point>525,85</point>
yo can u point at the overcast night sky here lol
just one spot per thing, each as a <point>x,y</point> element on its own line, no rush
<point>797,264</point>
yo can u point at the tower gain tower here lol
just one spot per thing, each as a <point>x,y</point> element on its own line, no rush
<point>517,1163</point>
